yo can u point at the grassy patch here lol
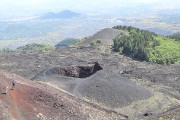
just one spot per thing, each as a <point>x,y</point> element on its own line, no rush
<point>94,42</point>
<point>168,52</point>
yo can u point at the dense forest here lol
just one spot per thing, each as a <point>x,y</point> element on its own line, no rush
<point>147,46</point>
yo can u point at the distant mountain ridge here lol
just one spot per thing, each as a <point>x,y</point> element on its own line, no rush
<point>63,15</point>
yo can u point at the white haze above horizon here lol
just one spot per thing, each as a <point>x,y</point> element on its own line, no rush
<point>35,7</point>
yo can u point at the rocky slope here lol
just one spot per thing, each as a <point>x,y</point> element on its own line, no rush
<point>136,89</point>
<point>106,36</point>
<point>31,100</point>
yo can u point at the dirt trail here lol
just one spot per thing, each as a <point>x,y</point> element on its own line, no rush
<point>10,99</point>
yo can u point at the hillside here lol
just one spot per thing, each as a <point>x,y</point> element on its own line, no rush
<point>147,46</point>
<point>103,78</point>
<point>36,101</point>
<point>106,36</point>
<point>66,42</point>
<point>168,52</point>
<point>66,14</point>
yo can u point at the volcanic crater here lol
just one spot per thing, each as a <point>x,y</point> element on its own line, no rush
<point>81,71</point>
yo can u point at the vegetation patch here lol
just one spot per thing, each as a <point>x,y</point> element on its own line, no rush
<point>95,42</point>
<point>167,53</point>
<point>147,46</point>
<point>67,42</point>
<point>6,50</point>
<point>36,47</point>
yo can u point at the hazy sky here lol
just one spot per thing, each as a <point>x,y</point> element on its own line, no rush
<point>35,6</point>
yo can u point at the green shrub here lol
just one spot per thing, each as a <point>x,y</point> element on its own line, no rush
<point>95,42</point>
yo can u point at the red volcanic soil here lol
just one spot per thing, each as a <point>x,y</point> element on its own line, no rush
<point>32,100</point>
